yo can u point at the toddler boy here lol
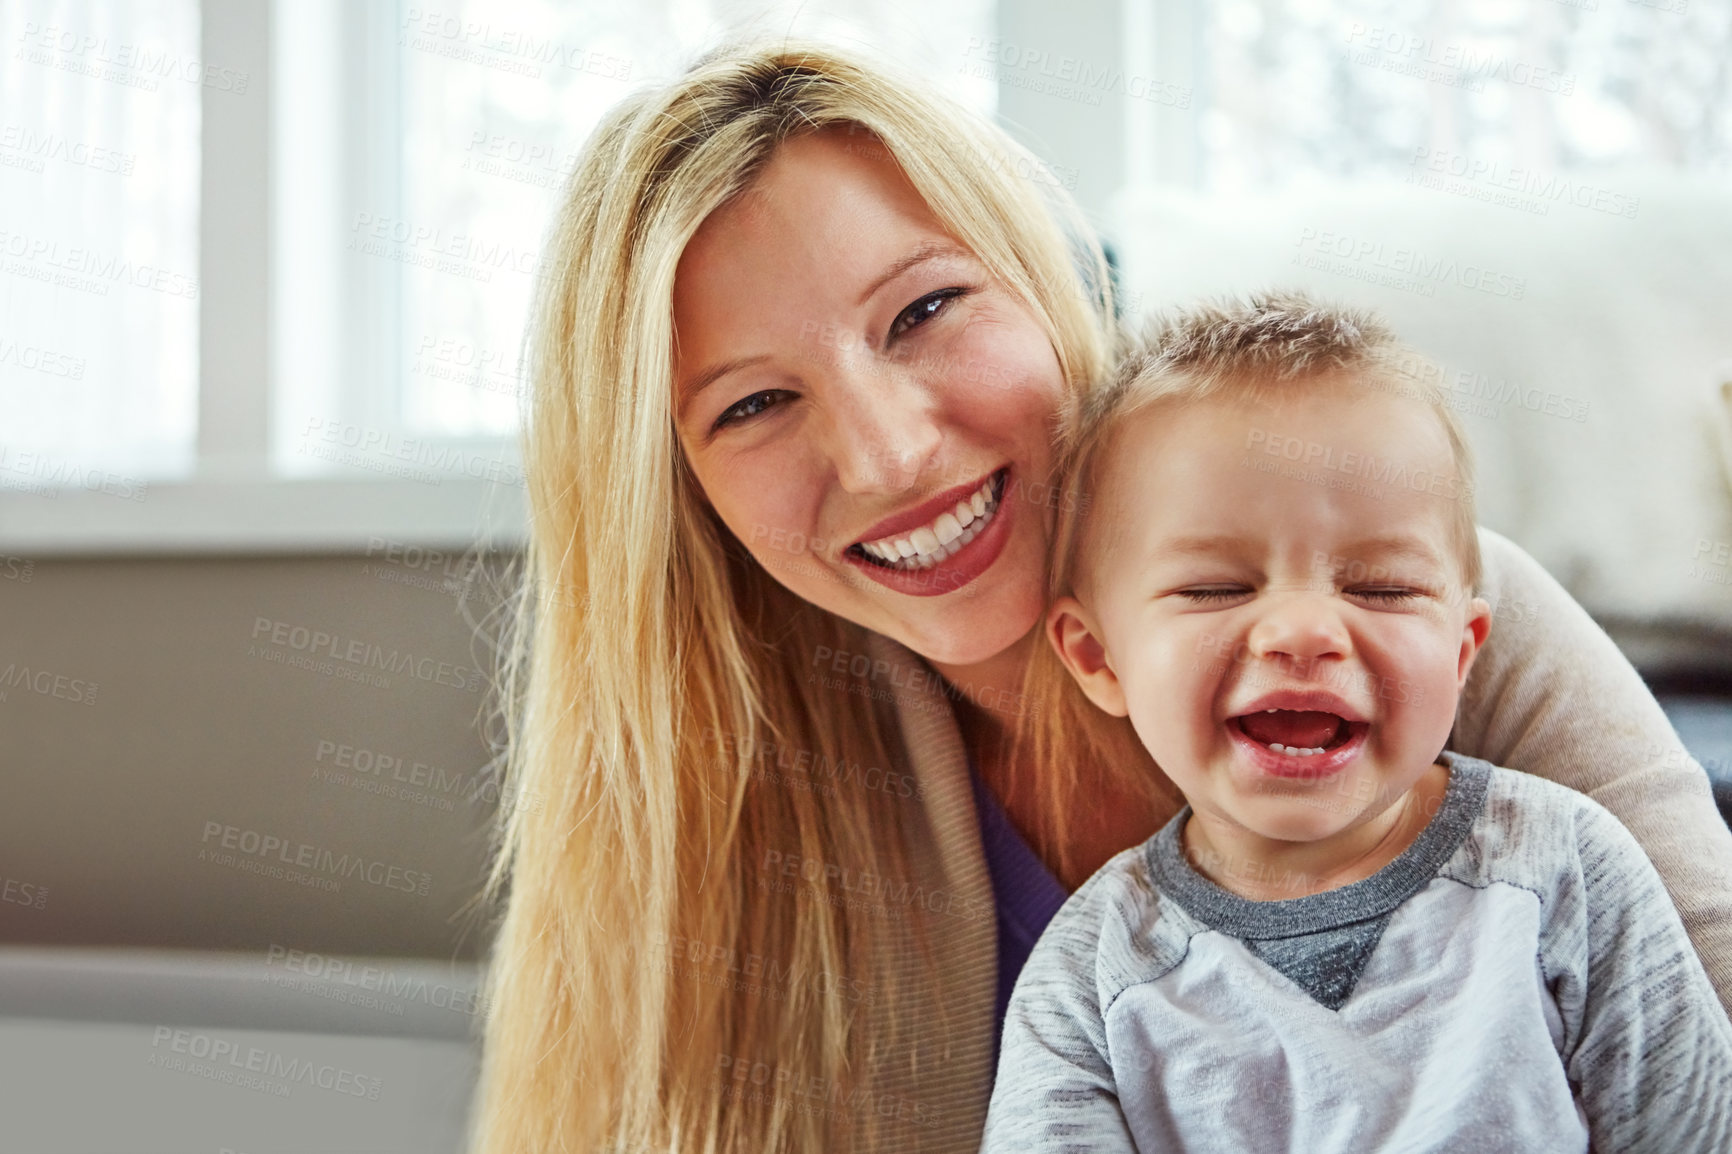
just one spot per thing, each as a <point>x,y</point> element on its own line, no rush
<point>1349,939</point>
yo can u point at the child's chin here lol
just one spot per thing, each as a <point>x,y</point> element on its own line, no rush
<point>1296,820</point>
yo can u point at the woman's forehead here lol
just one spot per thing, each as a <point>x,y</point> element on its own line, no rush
<point>823,226</point>
<point>823,195</point>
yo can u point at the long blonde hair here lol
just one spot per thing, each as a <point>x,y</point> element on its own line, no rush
<point>652,659</point>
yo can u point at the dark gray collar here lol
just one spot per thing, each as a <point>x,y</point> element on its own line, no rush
<point>1371,897</point>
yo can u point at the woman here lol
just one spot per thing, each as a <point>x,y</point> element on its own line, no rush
<point>803,331</point>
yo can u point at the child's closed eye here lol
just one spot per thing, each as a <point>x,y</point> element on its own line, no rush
<point>1385,594</point>
<point>1207,593</point>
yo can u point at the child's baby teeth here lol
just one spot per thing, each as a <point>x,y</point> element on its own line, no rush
<point>1293,750</point>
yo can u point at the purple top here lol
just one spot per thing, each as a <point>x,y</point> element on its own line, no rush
<point>1025,892</point>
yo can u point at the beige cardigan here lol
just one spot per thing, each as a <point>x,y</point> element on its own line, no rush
<point>1549,694</point>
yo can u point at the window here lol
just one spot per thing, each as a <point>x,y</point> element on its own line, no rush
<point>329,349</point>
<point>1328,89</point>
<point>496,99</point>
<point>1532,191</point>
<point>99,279</point>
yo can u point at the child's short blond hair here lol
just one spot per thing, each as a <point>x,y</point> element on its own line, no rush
<point>1254,348</point>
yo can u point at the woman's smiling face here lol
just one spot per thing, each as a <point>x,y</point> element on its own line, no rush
<point>851,384</point>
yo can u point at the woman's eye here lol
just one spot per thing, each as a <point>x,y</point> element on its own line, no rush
<point>923,310</point>
<point>746,407</point>
<point>1214,593</point>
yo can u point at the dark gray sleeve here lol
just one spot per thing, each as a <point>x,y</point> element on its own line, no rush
<point>1055,1089</point>
<point>1647,1046</point>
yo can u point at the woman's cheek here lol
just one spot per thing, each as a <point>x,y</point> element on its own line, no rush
<point>774,530</point>
<point>1007,362</point>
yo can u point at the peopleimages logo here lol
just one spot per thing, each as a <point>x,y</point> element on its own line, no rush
<point>47,475</point>
<point>88,270</point>
<point>370,233</point>
<point>263,849</point>
<point>415,458</point>
<point>1379,471</point>
<point>362,655</point>
<point>1516,186</point>
<point>1712,562</point>
<point>1460,62</point>
<point>516,50</point>
<point>38,359</point>
<point>354,981</point>
<point>865,887</point>
<point>1319,247</point>
<point>1066,77</point>
<point>141,66</point>
<point>815,766</point>
<point>34,147</point>
<point>763,1083</point>
<point>236,1061</point>
<point>46,683</point>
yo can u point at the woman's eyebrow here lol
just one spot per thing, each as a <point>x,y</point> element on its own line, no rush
<point>928,251</point>
<point>713,374</point>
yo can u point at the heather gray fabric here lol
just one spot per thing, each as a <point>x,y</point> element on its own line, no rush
<point>1323,941</point>
<point>1549,692</point>
<point>1531,987</point>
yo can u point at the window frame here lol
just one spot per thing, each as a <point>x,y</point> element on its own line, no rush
<point>235,502</point>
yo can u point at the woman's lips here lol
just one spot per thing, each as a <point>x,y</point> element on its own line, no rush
<point>1296,766</point>
<point>928,511</point>
<point>954,571</point>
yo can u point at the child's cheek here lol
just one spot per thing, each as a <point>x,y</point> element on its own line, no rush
<point>1181,680</point>
<point>1417,681</point>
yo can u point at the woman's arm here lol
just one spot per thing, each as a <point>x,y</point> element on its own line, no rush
<point>1550,694</point>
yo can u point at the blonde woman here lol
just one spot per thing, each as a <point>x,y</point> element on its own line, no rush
<point>809,795</point>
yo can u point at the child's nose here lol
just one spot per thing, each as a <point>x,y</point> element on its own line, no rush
<point>1301,625</point>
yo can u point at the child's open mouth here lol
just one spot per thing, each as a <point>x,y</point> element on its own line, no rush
<point>1304,733</point>
<point>1298,742</point>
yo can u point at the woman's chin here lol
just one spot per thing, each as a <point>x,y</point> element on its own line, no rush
<point>970,630</point>
<point>968,626</point>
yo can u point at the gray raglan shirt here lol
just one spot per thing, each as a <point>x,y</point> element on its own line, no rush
<point>1516,980</point>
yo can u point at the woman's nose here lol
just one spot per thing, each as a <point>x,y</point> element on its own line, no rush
<point>883,429</point>
<point>1303,626</point>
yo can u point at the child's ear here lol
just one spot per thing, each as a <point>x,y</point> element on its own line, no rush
<point>1075,637</point>
<point>1473,634</point>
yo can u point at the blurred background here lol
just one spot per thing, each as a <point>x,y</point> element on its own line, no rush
<point>263,277</point>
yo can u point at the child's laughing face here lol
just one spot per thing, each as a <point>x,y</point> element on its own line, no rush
<point>1276,600</point>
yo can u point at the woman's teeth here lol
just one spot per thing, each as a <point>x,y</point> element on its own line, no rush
<point>944,536</point>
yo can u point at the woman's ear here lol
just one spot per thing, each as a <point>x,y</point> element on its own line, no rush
<point>1075,636</point>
